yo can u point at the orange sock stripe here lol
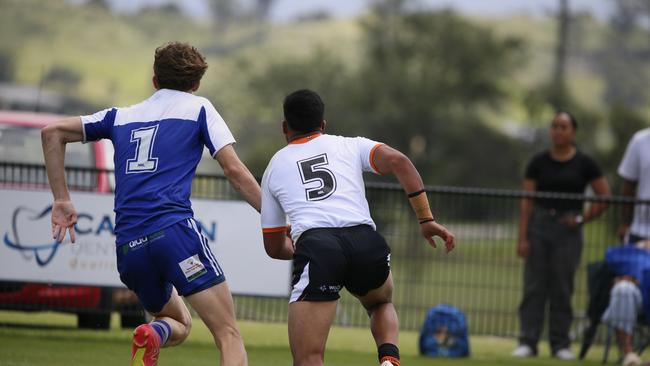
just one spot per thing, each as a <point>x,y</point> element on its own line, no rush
<point>391,359</point>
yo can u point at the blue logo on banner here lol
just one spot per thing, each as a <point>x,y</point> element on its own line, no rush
<point>42,252</point>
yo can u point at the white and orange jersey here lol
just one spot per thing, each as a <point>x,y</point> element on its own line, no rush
<point>317,181</point>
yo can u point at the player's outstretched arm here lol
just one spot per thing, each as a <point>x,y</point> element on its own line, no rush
<point>54,137</point>
<point>390,161</point>
<point>240,177</point>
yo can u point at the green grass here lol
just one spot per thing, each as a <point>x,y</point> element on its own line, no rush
<point>52,339</point>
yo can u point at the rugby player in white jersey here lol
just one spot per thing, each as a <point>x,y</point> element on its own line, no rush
<point>316,180</point>
<point>161,252</point>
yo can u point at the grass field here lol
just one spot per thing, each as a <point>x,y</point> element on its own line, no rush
<point>52,339</point>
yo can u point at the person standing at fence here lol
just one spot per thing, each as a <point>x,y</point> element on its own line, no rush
<point>635,172</point>
<point>550,237</point>
<point>317,181</point>
<point>161,251</point>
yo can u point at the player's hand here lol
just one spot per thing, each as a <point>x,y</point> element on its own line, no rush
<point>64,216</point>
<point>432,228</point>
<point>523,248</point>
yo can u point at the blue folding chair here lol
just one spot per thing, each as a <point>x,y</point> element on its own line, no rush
<point>619,260</point>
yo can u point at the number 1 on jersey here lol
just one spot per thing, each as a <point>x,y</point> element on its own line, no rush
<point>143,161</point>
<point>313,170</point>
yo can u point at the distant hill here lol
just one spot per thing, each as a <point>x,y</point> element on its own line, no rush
<point>112,54</point>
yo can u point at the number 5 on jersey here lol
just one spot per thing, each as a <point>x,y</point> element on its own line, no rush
<point>143,161</point>
<point>313,170</point>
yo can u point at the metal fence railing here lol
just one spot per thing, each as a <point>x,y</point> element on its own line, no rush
<point>483,276</point>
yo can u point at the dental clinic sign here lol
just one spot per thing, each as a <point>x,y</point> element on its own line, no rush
<point>28,253</point>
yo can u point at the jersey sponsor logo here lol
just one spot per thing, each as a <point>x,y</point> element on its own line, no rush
<point>313,170</point>
<point>143,162</point>
<point>192,268</point>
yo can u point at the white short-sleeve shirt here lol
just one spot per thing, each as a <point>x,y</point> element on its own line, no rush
<point>635,167</point>
<point>317,181</point>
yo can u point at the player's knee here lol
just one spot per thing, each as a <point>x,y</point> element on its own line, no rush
<point>185,328</point>
<point>188,326</point>
<point>377,305</point>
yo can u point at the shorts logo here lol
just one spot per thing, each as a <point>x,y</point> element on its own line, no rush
<point>330,288</point>
<point>141,242</point>
<point>388,259</point>
<point>192,268</point>
<point>137,242</point>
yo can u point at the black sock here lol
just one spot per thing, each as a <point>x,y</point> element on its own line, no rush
<point>388,352</point>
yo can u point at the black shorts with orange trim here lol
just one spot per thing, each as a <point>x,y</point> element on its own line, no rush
<point>327,259</point>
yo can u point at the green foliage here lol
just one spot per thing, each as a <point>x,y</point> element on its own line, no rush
<point>437,85</point>
<point>624,122</point>
<point>110,53</point>
<point>321,72</point>
<point>440,55</point>
<point>60,77</point>
<point>421,86</point>
<point>623,61</point>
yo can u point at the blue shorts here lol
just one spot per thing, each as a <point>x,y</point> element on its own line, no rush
<point>177,255</point>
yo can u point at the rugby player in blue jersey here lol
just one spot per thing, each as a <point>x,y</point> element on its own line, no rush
<point>161,252</point>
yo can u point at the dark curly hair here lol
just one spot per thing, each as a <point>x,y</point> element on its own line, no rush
<point>304,110</point>
<point>178,66</point>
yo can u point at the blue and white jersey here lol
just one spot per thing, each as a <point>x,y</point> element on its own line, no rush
<point>158,144</point>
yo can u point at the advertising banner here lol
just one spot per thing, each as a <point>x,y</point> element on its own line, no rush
<point>28,253</point>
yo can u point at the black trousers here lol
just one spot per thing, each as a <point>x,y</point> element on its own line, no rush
<point>549,273</point>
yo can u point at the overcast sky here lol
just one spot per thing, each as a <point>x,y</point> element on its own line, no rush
<point>284,10</point>
<point>287,9</point>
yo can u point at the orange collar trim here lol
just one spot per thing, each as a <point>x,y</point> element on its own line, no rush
<point>307,138</point>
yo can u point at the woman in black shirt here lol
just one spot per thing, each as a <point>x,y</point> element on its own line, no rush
<point>550,236</point>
